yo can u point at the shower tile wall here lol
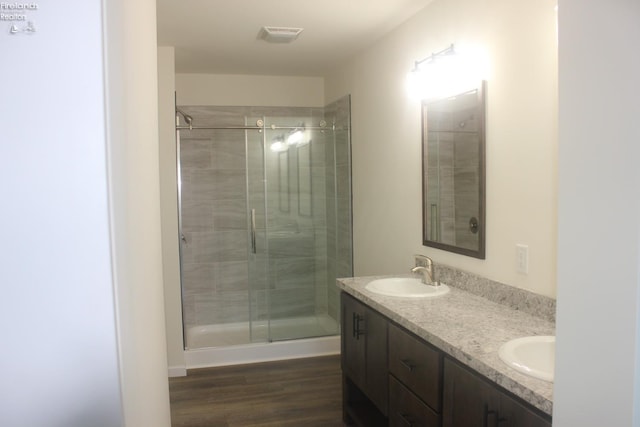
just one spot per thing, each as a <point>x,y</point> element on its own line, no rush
<point>214,223</point>
<point>215,254</point>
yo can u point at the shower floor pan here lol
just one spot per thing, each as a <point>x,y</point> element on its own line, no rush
<point>230,344</point>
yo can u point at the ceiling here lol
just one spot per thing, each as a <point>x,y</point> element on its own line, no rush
<point>221,36</point>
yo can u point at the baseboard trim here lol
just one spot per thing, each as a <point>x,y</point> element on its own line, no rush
<point>177,371</point>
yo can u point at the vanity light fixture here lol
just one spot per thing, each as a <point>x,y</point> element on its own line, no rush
<point>434,58</point>
<point>447,73</point>
<point>431,77</point>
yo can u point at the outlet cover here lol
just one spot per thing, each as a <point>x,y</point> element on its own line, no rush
<point>522,259</point>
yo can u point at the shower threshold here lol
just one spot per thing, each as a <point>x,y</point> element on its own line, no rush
<point>232,334</point>
<point>229,344</point>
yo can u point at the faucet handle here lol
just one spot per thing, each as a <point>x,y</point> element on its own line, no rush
<point>424,265</point>
<point>423,261</point>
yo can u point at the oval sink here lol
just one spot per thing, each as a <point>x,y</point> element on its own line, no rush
<point>405,287</point>
<point>534,356</point>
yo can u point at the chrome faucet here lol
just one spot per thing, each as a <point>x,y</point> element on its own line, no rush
<point>427,270</point>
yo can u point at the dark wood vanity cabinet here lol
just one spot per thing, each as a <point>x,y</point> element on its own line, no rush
<point>471,401</point>
<point>392,377</point>
<point>364,364</point>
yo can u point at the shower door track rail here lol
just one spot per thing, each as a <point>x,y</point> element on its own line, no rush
<point>250,127</point>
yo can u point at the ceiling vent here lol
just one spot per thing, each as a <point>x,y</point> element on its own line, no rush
<point>279,34</point>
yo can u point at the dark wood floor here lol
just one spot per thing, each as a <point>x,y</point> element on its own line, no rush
<point>301,392</point>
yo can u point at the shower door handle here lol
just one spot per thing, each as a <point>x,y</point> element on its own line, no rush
<point>253,231</point>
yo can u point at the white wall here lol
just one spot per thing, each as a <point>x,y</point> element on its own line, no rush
<point>59,356</point>
<point>81,310</point>
<point>520,41</point>
<point>132,117</point>
<point>599,235</point>
<point>246,90</point>
<point>169,210</point>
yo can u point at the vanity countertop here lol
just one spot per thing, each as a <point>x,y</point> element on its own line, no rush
<point>468,328</point>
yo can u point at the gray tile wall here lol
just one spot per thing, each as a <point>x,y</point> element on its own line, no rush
<point>214,223</point>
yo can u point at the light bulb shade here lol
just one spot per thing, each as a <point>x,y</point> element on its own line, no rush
<point>445,76</point>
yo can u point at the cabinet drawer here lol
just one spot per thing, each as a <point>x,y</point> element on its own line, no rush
<point>406,410</point>
<point>470,401</point>
<point>417,365</point>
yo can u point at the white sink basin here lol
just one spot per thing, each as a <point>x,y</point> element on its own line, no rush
<point>534,356</point>
<point>405,287</point>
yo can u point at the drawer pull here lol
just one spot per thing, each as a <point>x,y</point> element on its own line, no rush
<point>358,330</point>
<point>487,413</point>
<point>407,364</point>
<point>406,419</point>
<point>354,324</point>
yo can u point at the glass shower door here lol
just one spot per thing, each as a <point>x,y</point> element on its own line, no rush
<point>296,229</point>
<point>257,242</point>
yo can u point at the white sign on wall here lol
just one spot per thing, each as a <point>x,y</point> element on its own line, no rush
<point>18,17</point>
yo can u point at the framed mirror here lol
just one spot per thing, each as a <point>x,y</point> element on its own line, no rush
<point>453,170</point>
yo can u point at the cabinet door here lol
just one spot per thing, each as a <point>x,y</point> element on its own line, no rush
<point>468,401</point>
<point>364,350</point>
<point>353,343</point>
<point>377,381</point>
<point>514,414</point>
<point>471,401</point>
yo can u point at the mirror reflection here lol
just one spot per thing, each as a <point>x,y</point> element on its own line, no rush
<point>453,138</point>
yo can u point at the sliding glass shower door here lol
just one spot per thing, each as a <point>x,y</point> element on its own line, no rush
<point>296,238</point>
<point>259,225</point>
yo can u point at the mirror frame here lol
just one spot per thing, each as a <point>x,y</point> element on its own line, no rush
<point>476,253</point>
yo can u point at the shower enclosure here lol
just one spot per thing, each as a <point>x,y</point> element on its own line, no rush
<point>265,221</point>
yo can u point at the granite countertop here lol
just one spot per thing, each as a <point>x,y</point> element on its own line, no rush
<point>467,328</point>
